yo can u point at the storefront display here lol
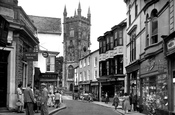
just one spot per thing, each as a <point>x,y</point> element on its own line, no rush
<point>155,92</point>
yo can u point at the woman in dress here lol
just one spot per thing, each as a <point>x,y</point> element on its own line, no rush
<point>126,103</point>
<point>49,103</point>
<point>20,101</point>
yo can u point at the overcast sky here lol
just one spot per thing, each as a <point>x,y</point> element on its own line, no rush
<point>104,13</point>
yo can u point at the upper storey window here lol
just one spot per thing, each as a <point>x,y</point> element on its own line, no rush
<point>104,46</point>
<point>72,32</point>
<point>101,47</point>
<point>146,32</point>
<point>154,27</point>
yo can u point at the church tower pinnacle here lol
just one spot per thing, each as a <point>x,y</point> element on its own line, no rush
<point>79,9</point>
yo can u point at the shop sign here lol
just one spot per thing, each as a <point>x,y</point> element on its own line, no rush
<point>31,56</point>
<point>4,26</point>
<point>94,84</point>
<point>45,54</point>
<point>171,44</point>
<point>49,76</point>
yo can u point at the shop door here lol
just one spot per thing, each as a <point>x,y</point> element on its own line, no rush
<point>3,78</point>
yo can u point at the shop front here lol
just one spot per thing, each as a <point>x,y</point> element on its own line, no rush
<point>169,51</point>
<point>95,90</point>
<point>133,80</point>
<point>50,79</point>
<point>154,83</point>
<point>111,85</point>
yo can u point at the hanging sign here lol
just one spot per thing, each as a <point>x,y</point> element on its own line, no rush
<point>45,54</point>
<point>31,56</point>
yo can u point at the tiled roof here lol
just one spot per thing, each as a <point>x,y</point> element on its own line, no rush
<point>46,24</point>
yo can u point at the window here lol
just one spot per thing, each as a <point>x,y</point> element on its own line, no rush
<point>104,46</point>
<point>89,60</point>
<point>147,33</point>
<point>115,39</point>
<point>85,75</point>
<point>118,61</point>
<point>157,88</point>
<point>111,42</point>
<point>70,72</point>
<point>71,32</point>
<point>120,40</point>
<point>133,46</point>
<point>136,8</point>
<point>154,27</point>
<point>108,43</point>
<point>85,62</point>
<point>81,76</point>
<point>24,74</point>
<point>50,64</point>
<point>100,68</point>
<point>95,62</point>
<point>101,48</point>
<point>88,74</point>
<point>95,74</point>
<point>107,67</point>
<point>129,18</point>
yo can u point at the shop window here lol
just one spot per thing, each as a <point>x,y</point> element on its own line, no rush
<point>100,68</point>
<point>155,92</point>
<point>24,74</point>
<point>107,67</point>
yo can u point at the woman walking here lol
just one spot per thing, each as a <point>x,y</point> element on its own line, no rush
<point>126,103</point>
<point>20,99</point>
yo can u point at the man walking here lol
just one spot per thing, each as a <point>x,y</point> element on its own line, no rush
<point>44,99</point>
<point>29,100</point>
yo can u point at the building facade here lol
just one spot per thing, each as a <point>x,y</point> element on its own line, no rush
<point>21,39</point>
<point>76,43</point>
<point>149,71</point>
<point>49,33</point>
<point>87,74</point>
<point>111,57</point>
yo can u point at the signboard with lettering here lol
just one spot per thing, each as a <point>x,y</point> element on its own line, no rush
<point>4,26</point>
<point>31,56</point>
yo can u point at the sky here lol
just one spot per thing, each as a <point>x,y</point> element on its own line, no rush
<point>104,13</point>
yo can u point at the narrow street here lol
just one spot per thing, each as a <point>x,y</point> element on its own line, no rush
<point>75,107</point>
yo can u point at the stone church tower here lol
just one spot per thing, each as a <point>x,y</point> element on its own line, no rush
<point>76,43</point>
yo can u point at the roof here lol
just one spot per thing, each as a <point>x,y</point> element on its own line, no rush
<point>47,24</point>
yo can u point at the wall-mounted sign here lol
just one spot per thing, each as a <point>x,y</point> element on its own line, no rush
<point>171,44</point>
<point>45,54</point>
<point>4,26</point>
<point>31,56</point>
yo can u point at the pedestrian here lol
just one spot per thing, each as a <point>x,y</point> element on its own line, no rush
<point>50,101</point>
<point>44,99</point>
<point>131,101</point>
<point>106,98</point>
<point>115,101</point>
<point>29,100</point>
<point>57,99</point>
<point>126,103</point>
<point>20,101</point>
<point>38,99</point>
<point>135,102</point>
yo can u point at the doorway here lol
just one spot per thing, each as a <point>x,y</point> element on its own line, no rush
<point>3,77</point>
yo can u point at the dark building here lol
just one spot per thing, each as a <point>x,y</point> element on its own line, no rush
<point>111,68</point>
<point>16,40</point>
<point>76,40</point>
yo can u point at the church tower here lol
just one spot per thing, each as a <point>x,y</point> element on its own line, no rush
<point>76,43</point>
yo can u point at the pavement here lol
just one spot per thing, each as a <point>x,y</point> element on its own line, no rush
<point>52,110</point>
<point>119,108</point>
